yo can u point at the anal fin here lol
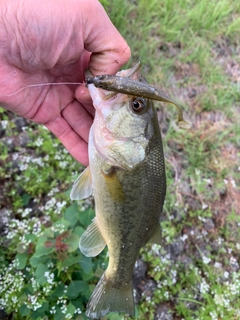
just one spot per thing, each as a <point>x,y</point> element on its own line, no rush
<point>91,241</point>
<point>82,187</point>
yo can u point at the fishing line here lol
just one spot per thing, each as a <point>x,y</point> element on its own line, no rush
<point>44,84</point>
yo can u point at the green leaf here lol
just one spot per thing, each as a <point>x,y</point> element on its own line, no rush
<point>85,217</point>
<point>39,274</point>
<point>70,261</point>
<point>42,251</point>
<point>71,213</point>
<point>78,231</point>
<point>58,292</point>
<point>58,315</point>
<point>70,309</point>
<point>48,233</point>
<point>87,276</point>
<point>21,248</point>
<point>114,316</point>
<point>34,261</point>
<point>76,287</point>
<point>22,260</point>
<point>86,264</point>
<point>31,237</point>
<point>25,199</point>
<point>24,310</point>
<point>41,240</point>
<point>72,242</point>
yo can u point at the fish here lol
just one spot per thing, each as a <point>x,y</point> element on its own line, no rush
<point>126,176</point>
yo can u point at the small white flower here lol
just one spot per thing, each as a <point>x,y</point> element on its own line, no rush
<point>233,183</point>
<point>204,206</point>
<point>217,265</point>
<point>38,142</point>
<point>206,260</point>
<point>15,156</point>
<point>26,212</point>
<point>78,311</point>
<point>204,286</point>
<point>4,124</point>
<point>184,237</point>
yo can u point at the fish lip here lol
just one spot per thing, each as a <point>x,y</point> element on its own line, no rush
<point>89,80</point>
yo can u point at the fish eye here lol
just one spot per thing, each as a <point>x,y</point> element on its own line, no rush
<point>138,104</point>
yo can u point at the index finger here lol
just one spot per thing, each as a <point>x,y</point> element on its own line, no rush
<point>109,49</point>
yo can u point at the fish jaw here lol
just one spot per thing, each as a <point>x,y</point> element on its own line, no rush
<point>102,103</point>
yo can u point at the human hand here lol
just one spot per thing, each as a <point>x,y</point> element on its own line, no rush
<point>48,41</point>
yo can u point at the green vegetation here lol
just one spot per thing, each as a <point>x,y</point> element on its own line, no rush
<point>191,51</point>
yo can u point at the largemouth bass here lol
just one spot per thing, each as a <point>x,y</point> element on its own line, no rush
<point>126,175</point>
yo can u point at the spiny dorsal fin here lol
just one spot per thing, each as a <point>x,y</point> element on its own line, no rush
<point>82,187</point>
<point>92,242</point>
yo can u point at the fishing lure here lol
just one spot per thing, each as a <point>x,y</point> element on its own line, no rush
<point>139,88</point>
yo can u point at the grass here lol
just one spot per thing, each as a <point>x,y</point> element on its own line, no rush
<point>190,50</point>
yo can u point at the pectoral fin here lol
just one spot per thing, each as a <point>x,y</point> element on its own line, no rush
<point>82,187</point>
<point>156,237</point>
<point>92,242</point>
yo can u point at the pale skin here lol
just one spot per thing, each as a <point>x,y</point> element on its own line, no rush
<point>49,41</point>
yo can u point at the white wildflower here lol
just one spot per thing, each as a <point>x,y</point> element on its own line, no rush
<point>217,265</point>
<point>201,219</point>
<point>233,183</point>
<point>23,166</point>
<point>184,237</point>
<point>50,277</point>
<point>57,156</point>
<point>206,260</point>
<point>78,310</point>
<point>26,212</point>
<point>233,262</point>
<point>204,286</point>
<point>53,310</point>
<point>38,161</point>
<point>204,206</point>
<point>213,315</point>
<point>38,142</point>
<point>15,156</point>
<point>58,227</point>
<point>50,204</point>
<point>4,124</point>
<point>63,164</point>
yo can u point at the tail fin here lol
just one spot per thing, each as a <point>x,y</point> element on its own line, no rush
<point>107,298</point>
